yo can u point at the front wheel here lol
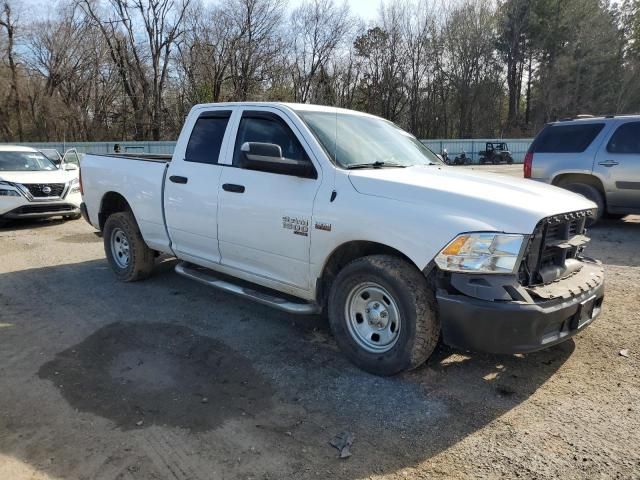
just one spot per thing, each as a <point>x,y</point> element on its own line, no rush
<point>382,314</point>
<point>128,254</point>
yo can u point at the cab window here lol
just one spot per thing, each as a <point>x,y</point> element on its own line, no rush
<point>206,137</point>
<point>267,127</point>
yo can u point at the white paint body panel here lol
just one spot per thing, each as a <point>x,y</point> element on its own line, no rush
<point>139,182</point>
<point>415,210</point>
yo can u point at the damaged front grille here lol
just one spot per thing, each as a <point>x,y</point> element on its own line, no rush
<point>554,248</point>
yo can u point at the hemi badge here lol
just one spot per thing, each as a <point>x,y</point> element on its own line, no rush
<point>323,226</point>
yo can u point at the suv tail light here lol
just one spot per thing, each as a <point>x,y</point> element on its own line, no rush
<point>528,163</point>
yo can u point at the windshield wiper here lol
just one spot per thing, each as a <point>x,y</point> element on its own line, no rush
<point>377,164</point>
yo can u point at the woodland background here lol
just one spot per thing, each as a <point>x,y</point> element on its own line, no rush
<point>92,70</point>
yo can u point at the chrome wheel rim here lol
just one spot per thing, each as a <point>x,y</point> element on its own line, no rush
<point>120,248</point>
<point>373,317</point>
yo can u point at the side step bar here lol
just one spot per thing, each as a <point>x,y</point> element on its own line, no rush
<point>208,277</point>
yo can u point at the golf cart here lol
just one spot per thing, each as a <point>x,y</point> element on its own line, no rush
<point>495,152</point>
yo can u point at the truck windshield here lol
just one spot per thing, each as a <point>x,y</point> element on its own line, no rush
<point>359,141</point>
<point>24,162</point>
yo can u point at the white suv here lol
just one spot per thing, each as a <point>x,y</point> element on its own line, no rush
<point>32,186</point>
<point>597,157</point>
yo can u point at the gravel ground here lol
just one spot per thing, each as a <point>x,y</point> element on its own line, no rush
<point>170,379</point>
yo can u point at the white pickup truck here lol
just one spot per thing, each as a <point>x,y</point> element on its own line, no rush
<point>315,209</point>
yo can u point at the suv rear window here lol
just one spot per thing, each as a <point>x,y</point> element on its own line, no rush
<point>573,138</point>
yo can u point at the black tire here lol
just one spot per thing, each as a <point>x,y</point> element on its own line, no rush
<point>591,193</point>
<point>419,326</point>
<point>140,257</point>
<point>615,216</point>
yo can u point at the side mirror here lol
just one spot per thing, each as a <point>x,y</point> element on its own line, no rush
<point>267,157</point>
<point>70,166</point>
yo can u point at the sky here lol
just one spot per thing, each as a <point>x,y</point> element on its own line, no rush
<point>365,9</point>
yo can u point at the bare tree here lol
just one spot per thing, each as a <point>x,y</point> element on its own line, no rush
<point>257,42</point>
<point>469,41</point>
<point>9,23</point>
<point>141,36</point>
<point>205,53</point>
<point>319,27</point>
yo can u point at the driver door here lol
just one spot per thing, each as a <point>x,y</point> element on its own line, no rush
<point>265,218</point>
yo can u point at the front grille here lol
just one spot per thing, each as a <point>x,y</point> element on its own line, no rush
<point>44,190</point>
<point>555,240</point>
<point>43,209</point>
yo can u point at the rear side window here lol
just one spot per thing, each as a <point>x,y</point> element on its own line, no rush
<point>574,138</point>
<point>206,137</point>
<point>626,139</point>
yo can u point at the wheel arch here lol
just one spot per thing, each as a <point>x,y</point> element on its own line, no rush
<point>566,178</point>
<point>112,202</point>
<point>346,253</point>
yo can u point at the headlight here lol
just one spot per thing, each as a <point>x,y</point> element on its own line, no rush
<point>74,186</point>
<point>482,253</point>
<point>7,190</point>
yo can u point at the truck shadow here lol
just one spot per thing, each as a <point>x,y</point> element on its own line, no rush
<point>169,355</point>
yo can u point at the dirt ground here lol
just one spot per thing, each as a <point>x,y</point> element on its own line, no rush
<point>168,379</point>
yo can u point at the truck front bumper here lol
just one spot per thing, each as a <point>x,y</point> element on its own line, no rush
<point>509,327</point>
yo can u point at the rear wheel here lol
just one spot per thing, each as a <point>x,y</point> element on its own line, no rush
<point>591,193</point>
<point>129,256</point>
<point>382,313</point>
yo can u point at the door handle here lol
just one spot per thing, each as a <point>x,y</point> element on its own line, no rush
<point>178,179</point>
<point>608,163</point>
<point>232,187</point>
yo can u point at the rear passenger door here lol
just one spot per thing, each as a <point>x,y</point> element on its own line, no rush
<point>191,188</point>
<point>618,165</point>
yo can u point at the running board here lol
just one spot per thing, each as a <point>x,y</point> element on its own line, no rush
<point>208,277</point>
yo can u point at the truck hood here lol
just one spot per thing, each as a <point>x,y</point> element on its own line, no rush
<point>483,201</point>
<point>52,176</point>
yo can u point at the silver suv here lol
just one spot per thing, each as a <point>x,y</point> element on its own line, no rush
<point>598,157</point>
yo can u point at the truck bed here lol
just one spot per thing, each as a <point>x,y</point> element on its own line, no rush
<point>146,157</point>
<point>137,178</point>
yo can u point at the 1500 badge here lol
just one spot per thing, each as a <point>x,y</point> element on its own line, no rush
<point>300,226</point>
